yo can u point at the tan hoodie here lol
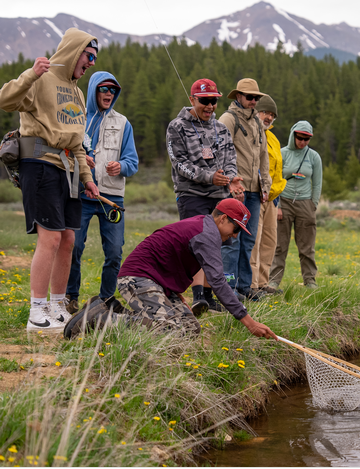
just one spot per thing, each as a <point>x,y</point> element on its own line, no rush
<point>52,106</point>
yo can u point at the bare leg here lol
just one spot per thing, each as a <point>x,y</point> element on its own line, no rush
<point>47,246</point>
<point>62,263</point>
<point>198,278</point>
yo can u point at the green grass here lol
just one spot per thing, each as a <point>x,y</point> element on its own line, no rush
<point>8,192</point>
<point>119,389</point>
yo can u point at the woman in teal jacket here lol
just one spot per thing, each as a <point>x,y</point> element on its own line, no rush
<point>302,169</point>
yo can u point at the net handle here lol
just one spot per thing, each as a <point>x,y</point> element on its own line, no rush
<point>316,354</point>
<point>325,355</point>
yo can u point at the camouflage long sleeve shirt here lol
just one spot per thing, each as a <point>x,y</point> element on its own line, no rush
<point>192,174</point>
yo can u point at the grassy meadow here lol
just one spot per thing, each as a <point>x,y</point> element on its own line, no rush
<point>129,397</point>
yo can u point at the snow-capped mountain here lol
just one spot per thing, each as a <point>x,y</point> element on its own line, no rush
<point>261,23</point>
<point>267,25</point>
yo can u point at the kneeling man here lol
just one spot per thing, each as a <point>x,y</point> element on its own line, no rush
<point>164,264</point>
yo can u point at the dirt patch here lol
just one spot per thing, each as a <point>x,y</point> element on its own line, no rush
<point>42,365</point>
<point>27,378</point>
<point>9,262</point>
<point>341,214</point>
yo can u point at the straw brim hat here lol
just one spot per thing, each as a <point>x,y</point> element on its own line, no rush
<point>247,86</point>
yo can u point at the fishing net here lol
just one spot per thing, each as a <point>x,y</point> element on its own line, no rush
<point>331,387</point>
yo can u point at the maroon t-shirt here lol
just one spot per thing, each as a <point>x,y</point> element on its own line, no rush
<point>172,255</point>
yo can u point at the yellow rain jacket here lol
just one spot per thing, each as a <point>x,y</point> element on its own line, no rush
<point>275,165</point>
<point>52,106</point>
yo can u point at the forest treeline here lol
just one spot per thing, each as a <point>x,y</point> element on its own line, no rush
<point>304,88</point>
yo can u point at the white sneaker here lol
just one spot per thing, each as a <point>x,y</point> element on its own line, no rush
<point>41,320</point>
<point>59,311</point>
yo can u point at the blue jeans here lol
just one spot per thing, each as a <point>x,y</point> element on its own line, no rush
<point>236,258</point>
<point>112,238</point>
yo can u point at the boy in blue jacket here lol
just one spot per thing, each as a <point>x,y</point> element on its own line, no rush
<point>112,156</point>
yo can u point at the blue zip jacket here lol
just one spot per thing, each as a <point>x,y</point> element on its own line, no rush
<point>129,158</point>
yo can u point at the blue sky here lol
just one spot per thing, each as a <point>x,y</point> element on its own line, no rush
<point>175,16</point>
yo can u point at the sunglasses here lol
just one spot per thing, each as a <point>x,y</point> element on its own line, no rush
<point>206,101</point>
<point>306,139</point>
<point>92,57</point>
<point>250,97</point>
<point>237,227</point>
<point>105,89</point>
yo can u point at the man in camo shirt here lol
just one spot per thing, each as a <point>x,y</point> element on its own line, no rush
<point>203,160</point>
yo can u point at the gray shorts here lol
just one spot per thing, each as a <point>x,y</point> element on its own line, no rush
<point>148,301</point>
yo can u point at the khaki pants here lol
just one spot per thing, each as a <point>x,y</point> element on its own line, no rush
<point>301,214</point>
<point>263,252</point>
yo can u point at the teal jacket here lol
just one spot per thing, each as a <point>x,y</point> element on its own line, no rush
<point>310,187</point>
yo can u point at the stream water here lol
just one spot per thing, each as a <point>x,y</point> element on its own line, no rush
<point>292,432</point>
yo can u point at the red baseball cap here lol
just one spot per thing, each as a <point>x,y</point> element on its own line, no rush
<point>236,210</point>
<point>204,87</point>
<point>302,132</point>
<point>108,83</point>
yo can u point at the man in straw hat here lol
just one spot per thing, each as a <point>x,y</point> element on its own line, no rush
<point>253,167</point>
<point>263,253</point>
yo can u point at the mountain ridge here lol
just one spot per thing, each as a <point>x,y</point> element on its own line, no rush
<point>260,23</point>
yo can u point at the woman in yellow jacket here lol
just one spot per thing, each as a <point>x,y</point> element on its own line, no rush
<point>263,252</point>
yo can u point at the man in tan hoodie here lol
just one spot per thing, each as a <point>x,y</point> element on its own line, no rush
<point>52,125</point>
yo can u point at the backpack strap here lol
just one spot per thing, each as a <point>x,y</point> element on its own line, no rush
<point>259,125</point>
<point>237,124</point>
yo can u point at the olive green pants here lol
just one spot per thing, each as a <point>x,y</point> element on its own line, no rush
<point>301,214</point>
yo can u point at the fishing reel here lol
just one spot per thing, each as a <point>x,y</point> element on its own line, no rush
<point>115,214</point>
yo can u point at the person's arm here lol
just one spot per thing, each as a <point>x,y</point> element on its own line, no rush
<point>18,95</point>
<point>316,179</point>
<point>129,159</point>
<point>183,161</point>
<point>206,247</point>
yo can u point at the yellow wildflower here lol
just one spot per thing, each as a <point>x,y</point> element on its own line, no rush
<point>146,403</point>
<point>199,374</point>
<point>186,356</point>
<point>225,348</point>
<point>2,457</point>
<point>188,364</point>
<point>102,430</point>
<point>101,354</point>
<point>11,459</point>
<point>275,382</point>
<point>222,365</point>
<point>156,418</point>
<point>241,361</point>
<point>195,366</point>
<point>239,349</point>
<point>123,442</point>
<point>140,449</point>
<point>60,458</point>
<point>30,458</point>
<point>171,429</point>
<point>172,422</point>
<point>86,390</point>
<point>117,396</point>
<point>58,364</point>
<point>241,366</point>
<point>12,449</point>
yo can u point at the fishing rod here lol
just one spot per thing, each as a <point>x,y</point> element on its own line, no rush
<point>233,193</point>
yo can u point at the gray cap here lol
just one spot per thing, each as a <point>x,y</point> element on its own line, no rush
<point>266,103</point>
<point>93,43</point>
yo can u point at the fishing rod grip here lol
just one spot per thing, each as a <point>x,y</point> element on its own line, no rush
<point>107,201</point>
